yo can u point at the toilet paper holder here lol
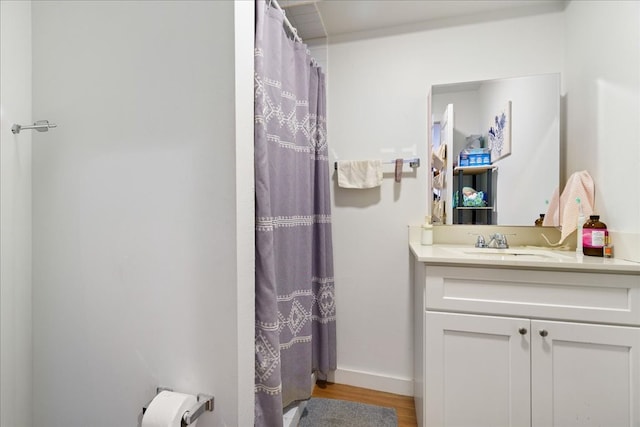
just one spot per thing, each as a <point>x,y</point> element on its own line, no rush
<point>205,403</point>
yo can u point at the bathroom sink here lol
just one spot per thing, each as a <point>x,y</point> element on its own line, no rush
<point>511,253</point>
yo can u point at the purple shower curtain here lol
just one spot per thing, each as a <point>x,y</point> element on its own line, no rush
<point>295,307</point>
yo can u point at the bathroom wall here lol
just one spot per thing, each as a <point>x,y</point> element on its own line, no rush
<point>142,209</point>
<point>15,215</point>
<point>377,108</point>
<point>602,80</point>
<point>319,50</point>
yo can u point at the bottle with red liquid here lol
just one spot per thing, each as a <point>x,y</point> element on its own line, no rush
<point>594,236</point>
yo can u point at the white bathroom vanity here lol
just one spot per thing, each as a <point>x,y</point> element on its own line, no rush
<point>525,337</point>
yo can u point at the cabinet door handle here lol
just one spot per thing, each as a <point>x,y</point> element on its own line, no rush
<point>543,332</point>
<point>522,331</point>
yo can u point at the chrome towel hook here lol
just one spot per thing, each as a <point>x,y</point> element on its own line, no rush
<point>40,126</point>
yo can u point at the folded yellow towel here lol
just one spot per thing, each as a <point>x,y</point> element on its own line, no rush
<point>564,210</point>
<point>359,173</point>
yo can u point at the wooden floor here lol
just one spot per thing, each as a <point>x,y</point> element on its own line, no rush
<point>405,409</point>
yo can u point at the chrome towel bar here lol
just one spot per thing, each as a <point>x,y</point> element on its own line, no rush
<point>414,163</point>
<point>40,126</point>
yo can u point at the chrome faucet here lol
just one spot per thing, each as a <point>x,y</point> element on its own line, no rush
<point>498,241</point>
<point>480,241</point>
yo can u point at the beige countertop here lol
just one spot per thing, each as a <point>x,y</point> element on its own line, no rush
<point>525,257</point>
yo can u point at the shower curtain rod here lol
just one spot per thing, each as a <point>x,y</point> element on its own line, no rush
<point>294,31</point>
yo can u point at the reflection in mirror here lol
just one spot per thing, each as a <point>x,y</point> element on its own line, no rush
<point>495,150</point>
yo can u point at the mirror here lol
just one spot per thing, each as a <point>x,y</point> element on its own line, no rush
<point>517,121</point>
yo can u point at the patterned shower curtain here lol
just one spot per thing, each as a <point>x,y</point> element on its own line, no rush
<point>295,307</point>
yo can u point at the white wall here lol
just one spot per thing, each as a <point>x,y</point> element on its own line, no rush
<point>140,216</point>
<point>377,109</point>
<point>15,215</point>
<point>319,50</point>
<point>602,80</point>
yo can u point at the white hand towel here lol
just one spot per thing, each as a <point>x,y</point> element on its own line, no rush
<point>565,210</point>
<point>359,173</point>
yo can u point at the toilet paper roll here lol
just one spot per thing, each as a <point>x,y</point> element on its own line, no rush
<point>167,409</point>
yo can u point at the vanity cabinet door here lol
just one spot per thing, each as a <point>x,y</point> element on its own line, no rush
<point>584,375</point>
<point>477,370</point>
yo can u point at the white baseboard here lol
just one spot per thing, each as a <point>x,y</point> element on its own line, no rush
<point>372,381</point>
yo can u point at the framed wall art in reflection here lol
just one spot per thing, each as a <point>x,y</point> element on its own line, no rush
<point>499,134</point>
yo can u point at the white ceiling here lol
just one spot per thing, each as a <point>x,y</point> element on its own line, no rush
<point>333,18</point>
